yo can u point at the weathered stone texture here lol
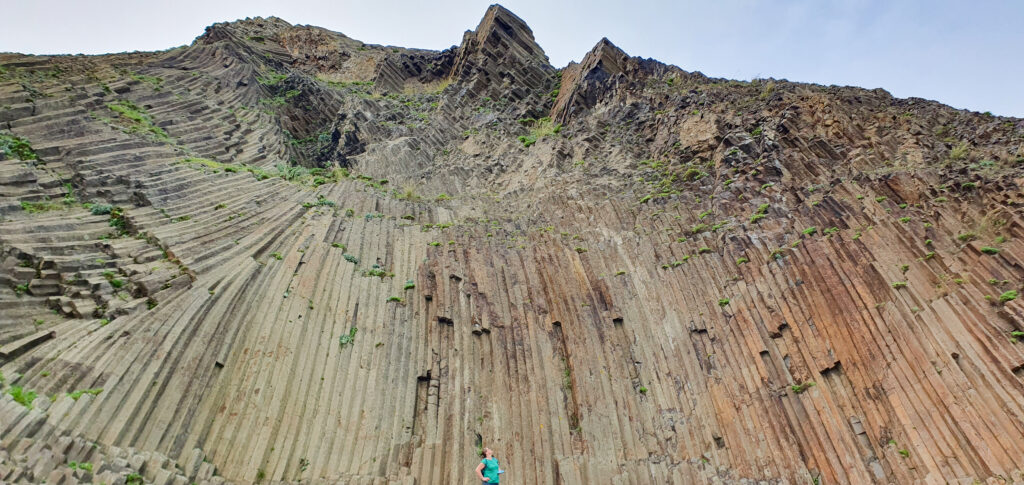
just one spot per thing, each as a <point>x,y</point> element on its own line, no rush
<point>648,276</point>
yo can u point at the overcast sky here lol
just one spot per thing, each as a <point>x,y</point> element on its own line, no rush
<point>967,53</point>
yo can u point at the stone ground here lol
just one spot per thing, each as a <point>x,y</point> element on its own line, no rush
<point>281,255</point>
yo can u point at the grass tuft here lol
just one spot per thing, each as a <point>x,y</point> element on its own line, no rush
<point>14,146</point>
<point>21,396</point>
<point>539,129</point>
<point>800,388</point>
<point>134,119</point>
<point>77,394</point>
<point>959,152</point>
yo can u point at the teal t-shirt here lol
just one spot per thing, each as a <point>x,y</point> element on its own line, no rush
<point>491,469</point>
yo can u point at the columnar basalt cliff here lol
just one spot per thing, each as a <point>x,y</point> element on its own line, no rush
<point>282,255</point>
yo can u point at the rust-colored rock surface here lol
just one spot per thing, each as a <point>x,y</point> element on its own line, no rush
<point>282,255</point>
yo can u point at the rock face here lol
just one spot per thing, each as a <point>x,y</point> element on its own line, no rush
<point>282,255</point>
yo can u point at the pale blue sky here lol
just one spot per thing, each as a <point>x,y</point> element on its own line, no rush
<point>964,53</point>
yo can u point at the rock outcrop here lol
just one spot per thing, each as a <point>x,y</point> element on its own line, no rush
<point>500,59</point>
<point>599,74</point>
<point>282,255</point>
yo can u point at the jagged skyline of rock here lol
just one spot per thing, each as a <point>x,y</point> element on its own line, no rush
<point>947,51</point>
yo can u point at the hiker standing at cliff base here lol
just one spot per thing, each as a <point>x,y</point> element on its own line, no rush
<point>487,471</point>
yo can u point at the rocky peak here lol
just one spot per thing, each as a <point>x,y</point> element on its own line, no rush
<point>249,28</point>
<point>583,83</point>
<point>606,57</point>
<point>501,58</point>
<point>501,28</point>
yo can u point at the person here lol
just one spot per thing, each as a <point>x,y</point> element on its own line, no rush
<point>487,471</point>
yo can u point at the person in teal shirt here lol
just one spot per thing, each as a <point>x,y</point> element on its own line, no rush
<point>487,471</point>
